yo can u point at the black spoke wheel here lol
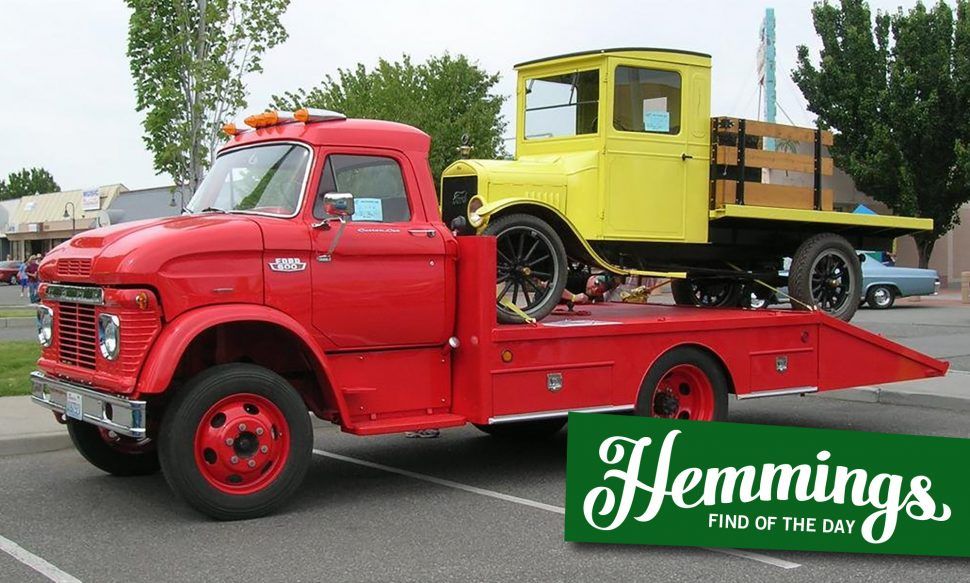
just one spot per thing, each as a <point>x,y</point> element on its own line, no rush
<point>826,273</point>
<point>707,293</point>
<point>530,267</point>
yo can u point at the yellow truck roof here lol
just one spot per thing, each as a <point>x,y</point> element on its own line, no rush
<point>631,52</point>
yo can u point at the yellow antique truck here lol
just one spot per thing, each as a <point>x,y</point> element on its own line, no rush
<point>620,166</point>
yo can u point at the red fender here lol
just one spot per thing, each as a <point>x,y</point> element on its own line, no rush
<point>177,335</point>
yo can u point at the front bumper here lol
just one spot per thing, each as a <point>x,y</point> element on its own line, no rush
<point>123,416</point>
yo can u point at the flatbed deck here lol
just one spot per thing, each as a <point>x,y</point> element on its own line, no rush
<point>599,361</point>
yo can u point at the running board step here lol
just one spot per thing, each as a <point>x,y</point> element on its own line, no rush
<point>412,423</point>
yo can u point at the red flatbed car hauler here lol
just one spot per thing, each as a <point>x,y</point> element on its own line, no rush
<point>199,342</point>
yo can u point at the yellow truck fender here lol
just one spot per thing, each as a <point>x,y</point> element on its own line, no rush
<point>548,211</point>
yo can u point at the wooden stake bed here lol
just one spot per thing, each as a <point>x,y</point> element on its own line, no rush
<point>738,156</point>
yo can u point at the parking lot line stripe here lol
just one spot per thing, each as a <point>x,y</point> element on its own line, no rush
<point>757,557</point>
<point>442,482</point>
<point>36,563</point>
<point>768,560</point>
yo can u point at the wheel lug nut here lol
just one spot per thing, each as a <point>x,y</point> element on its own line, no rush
<point>259,431</point>
<point>251,463</point>
<point>234,460</point>
<point>242,427</point>
<point>264,449</point>
<point>228,441</point>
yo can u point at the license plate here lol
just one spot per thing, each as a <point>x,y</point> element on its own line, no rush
<point>73,408</point>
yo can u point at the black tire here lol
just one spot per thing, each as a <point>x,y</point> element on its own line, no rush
<point>826,272</point>
<point>881,297</point>
<point>657,399</point>
<point>188,412</point>
<point>524,429</point>
<point>115,454</point>
<point>518,265</point>
<point>707,293</point>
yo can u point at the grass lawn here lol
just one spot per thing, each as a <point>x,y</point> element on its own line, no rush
<point>17,360</point>
<point>17,312</point>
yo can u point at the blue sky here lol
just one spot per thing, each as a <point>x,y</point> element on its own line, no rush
<point>68,102</point>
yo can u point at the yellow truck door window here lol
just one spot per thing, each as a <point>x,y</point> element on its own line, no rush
<point>646,100</point>
<point>562,105</point>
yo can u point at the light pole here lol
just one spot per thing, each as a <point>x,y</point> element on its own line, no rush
<point>71,216</point>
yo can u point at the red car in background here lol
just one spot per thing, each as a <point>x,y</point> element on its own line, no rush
<point>8,271</point>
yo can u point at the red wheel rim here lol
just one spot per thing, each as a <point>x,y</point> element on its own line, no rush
<point>684,392</point>
<point>241,444</point>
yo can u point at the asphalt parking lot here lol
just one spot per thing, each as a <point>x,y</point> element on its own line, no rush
<point>471,508</point>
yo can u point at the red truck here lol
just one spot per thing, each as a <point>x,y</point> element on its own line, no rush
<point>312,272</point>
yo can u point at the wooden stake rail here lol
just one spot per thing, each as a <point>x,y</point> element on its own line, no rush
<point>737,148</point>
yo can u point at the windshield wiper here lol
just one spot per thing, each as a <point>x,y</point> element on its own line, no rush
<point>212,209</point>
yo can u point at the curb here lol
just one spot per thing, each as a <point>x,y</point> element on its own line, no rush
<point>904,398</point>
<point>34,443</point>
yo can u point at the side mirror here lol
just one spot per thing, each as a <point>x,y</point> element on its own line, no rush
<point>339,204</point>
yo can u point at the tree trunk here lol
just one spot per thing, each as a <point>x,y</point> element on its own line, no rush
<point>924,248</point>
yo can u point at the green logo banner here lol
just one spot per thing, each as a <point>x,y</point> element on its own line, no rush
<point>686,483</point>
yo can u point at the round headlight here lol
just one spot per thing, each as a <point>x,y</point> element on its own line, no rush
<point>45,325</point>
<point>474,205</point>
<point>109,332</point>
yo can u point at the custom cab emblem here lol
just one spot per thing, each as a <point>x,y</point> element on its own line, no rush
<point>287,264</point>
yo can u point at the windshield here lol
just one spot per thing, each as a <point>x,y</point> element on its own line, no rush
<point>264,179</point>
<point>561,105</point>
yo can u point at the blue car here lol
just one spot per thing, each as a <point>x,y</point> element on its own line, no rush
<point>882,283</point>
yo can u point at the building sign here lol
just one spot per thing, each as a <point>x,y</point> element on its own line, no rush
<point>91,200</point>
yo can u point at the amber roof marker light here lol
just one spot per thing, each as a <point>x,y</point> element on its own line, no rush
<point>309,115</point>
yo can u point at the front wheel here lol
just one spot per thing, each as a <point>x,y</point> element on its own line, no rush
<point>825,272</point>
<point>684,383</point>
<point>236,442</point>
<point>531,267</point>
<point>113,453</point>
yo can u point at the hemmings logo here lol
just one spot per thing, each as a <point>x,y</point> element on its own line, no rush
<point>287,264</point>
<point>459,198</point>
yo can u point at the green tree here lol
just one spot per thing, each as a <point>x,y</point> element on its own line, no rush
<point>445,96</point>
<point>188,58</point>
<point>897,91</point>
<point>26,182</point>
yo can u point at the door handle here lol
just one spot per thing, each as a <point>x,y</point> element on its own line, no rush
<point>685,156</point>
<point>429,233</point>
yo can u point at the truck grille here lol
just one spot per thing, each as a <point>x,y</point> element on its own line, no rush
<point>138,331</point>
<point>74,267</point>
<point>456,191</point>
<point>77,334</point>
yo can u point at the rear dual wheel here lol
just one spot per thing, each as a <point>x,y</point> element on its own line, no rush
<point>236,442</point>
<point>685,383</point>
<point>707,293</point>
